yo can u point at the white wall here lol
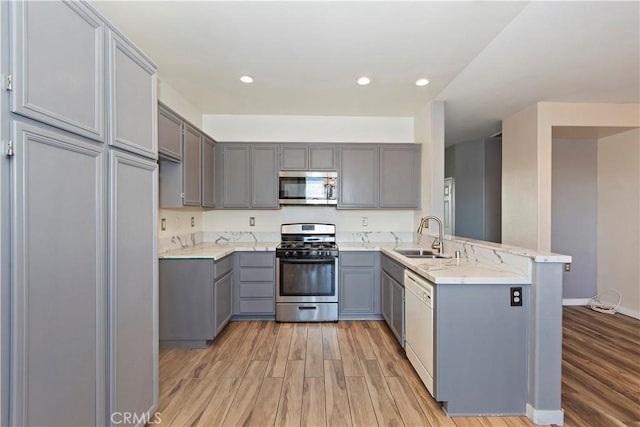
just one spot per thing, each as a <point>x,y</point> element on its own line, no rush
<point>619,218</point>
<point>526,163</point>
<point>309,129</point>
<point>251,128</point>
<point>429,131</point>
<point>574,219</point>
<point>172,98</point>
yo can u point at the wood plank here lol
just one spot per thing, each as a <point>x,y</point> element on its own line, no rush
<point>406,402</point>
<point>266,342</point>
<point>337,402</point>
<point>364,348</point>
<point>196,396</point>
<point>264,412</point>
<point>361,408</point>
<point>313,402</point>
<point>298,348</point>
<point>350,362</point>
<point>386,358</point>
<point>220,402</point>
<point>280,353</point>
<point>290,403</point>
<point>245,399</point>
<point>383,403</point>
<point>314,366</point>
<point>330,346</point>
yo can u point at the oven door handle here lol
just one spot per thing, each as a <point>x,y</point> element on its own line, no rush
<point>308,261</point>
<point>307,307</point>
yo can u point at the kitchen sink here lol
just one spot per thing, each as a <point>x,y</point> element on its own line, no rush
<point>419,253</point>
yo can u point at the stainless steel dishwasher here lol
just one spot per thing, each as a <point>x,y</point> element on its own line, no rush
<point>419,307</point>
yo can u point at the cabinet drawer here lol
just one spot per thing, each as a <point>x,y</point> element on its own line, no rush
<point>358,259</point>
<point>393,269</point>
<point>262,259</point>
<point>224,265</point>
<point>265,306</point>
<point>256,274</point>
<point>256,290</point>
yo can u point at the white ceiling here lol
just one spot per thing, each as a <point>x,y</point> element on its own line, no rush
<point>486,59</point>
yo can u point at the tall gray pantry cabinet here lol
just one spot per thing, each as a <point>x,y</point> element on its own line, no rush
<point>79,208</point>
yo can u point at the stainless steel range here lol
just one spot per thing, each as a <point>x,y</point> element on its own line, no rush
<point>307,273</point>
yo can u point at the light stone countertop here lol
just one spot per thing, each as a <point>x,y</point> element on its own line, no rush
<point>438,271</point>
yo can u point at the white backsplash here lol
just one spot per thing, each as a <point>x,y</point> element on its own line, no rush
<point>179,241</point>
<point>374,237</point>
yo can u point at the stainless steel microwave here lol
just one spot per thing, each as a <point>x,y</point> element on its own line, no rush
<point>308,188</point>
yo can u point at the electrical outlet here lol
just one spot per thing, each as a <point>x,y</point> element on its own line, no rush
<point>252,221</point>
<point>567,267</point>
<point>163,224</point>
<point>516,296</point>
<point>193,222</point>
<point>365,221</point>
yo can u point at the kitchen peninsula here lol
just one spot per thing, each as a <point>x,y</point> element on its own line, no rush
<point>482,276</point>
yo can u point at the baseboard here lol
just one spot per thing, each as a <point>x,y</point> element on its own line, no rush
<point>629,312</point>
<point>538,416</point>
<point>576,301</point>
<point>586,301</point>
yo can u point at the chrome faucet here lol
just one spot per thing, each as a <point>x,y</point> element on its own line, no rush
<point>437,244</point>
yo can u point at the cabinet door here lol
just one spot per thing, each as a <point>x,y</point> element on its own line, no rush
<point>294,157</point>
<point>58,65</point>
<point>208,173</point>
<point>235,176</point>
<point>169,134</point>
<point>191,167</point>
<point>133,285</point>
<point>264,176</point>
<point>58,281</point>
<point>386,299</point>
<point>223,301</point>
<point>134,103</point>
<point>357,294</point>
<point>358,177</point>
<point>322,157</point>
<point>397,323</point>
<point>400,176</point>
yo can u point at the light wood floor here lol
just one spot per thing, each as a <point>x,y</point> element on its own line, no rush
<point>355,373</point>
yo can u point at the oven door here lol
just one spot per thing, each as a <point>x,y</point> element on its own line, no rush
<point>307,280</point>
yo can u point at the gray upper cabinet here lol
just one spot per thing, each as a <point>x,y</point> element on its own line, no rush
<point>399,176</point>
<point>235,182</point>
<point>58,66</point>
<point>58,319</point>
<point>208,173</point>
<point>133,98</point>
<point>191,166</point>
<point>264,176</point>
<point>169,134</point>
<point>133,284</point>
<point>248,176</point>
<point>358,176</point>
<point>317,157</point>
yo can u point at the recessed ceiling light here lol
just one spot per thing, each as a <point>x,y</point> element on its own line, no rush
<point>363,81</point>
<point>246,79</point>
<point>422,82</point>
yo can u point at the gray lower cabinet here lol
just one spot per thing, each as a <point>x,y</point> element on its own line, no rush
<point>133,98</point>
<point>58,288</point>
<point>195,300</point>
<point>248,176</point>
<point>255,284</point>
<point>481,357</point>
<point>169,134</point>
<point>313,157</point>
<point>399,176</point>
<point>133,284</point>
<point>358,176</point>
<point>359,284</point>
<point>59,68</point>
<point>393,297</point>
